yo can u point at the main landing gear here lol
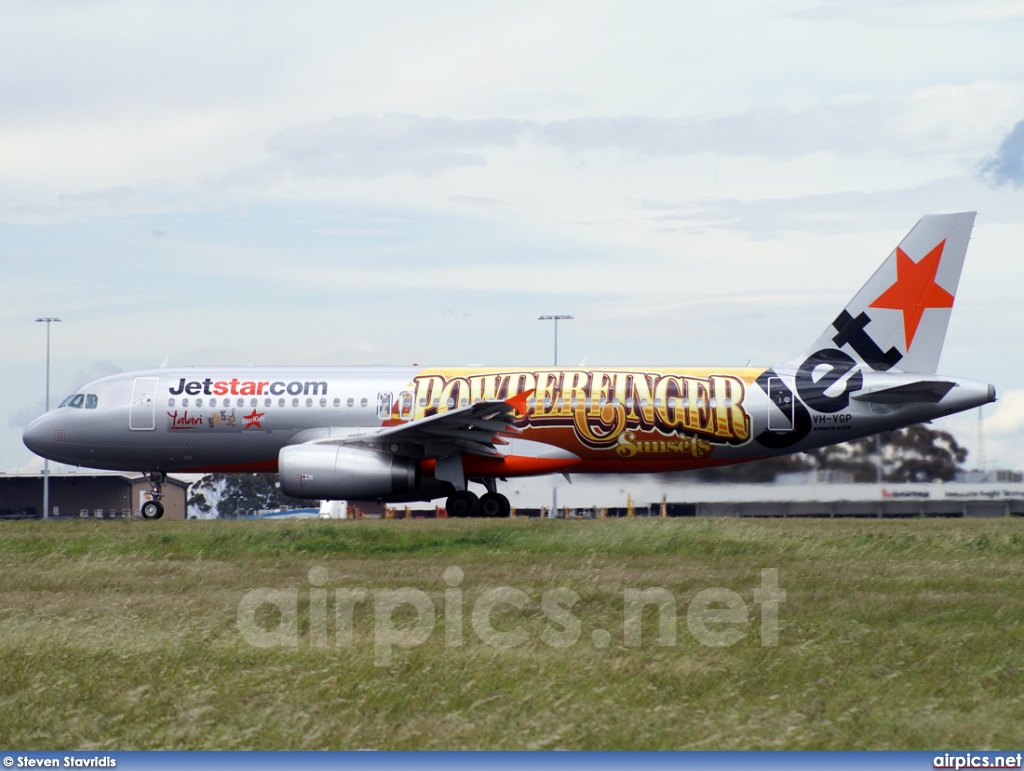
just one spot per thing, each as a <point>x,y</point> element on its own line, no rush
<point>463,503</point>
<point>154,509</point>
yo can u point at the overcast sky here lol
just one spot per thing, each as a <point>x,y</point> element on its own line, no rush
<point>348,183</point>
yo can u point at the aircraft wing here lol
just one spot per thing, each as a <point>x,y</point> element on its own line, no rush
<point>475,429</point>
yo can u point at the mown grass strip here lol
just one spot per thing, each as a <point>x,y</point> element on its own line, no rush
<point>894,634</point>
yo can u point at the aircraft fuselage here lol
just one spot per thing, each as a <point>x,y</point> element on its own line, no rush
<point>619,420</point>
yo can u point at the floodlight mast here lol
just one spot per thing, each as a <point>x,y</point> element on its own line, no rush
<point>554,318</point>
<point>46,461</point>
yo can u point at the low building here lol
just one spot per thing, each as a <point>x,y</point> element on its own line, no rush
<point>87,494</point>
<point>683,496</point>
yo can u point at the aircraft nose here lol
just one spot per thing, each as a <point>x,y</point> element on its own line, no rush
<point>38,435</point>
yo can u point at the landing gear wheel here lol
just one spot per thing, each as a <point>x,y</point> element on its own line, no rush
<point>462,503</point>
<point>494,505</point>
<point>152,510</point>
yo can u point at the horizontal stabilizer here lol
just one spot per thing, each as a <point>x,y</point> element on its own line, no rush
<point>921,392</point>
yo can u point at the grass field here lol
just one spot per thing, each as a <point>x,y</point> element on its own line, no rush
<point>893,634</point>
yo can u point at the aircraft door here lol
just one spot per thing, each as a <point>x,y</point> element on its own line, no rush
<point>142,413</point>
<point>780,412</point>
<point>384,406</point>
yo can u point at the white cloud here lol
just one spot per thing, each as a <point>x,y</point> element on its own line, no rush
<point>1007,420</point>
<point>369,146</point>
<point>912,14</point>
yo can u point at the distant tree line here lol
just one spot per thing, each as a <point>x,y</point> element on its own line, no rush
<point>913,454</point>
<point>237,495</point>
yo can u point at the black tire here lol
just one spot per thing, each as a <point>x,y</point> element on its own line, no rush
<point>462,503</point>
<point>494,506</point>
<point>152,510</point>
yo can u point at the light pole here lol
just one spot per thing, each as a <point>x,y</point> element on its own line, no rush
<point>46,461</point>
<point>555,319</point>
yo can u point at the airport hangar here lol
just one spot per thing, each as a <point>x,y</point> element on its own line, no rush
<point>108,495</point>
<point>99,494</point>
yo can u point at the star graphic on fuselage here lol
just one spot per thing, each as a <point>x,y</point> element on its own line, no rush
<point>252,420</point>
<point>915,290</point>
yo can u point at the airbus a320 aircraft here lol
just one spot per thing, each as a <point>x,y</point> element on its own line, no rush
<point>419,433</point>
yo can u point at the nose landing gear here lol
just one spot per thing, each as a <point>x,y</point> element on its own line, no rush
<point>154,509</point>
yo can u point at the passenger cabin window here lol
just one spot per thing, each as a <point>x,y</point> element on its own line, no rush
<point>405,411</point>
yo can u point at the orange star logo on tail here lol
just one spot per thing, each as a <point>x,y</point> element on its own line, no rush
<point>915,290</point>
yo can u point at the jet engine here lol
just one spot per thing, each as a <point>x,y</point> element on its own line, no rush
<point>336,472</point>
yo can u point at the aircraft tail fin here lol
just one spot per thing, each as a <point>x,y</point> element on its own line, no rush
<point>898,319</point>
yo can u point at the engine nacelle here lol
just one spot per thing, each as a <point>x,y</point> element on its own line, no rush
<point>336,472</point>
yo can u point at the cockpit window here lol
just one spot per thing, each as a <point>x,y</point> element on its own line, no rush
<point>89,401</point>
